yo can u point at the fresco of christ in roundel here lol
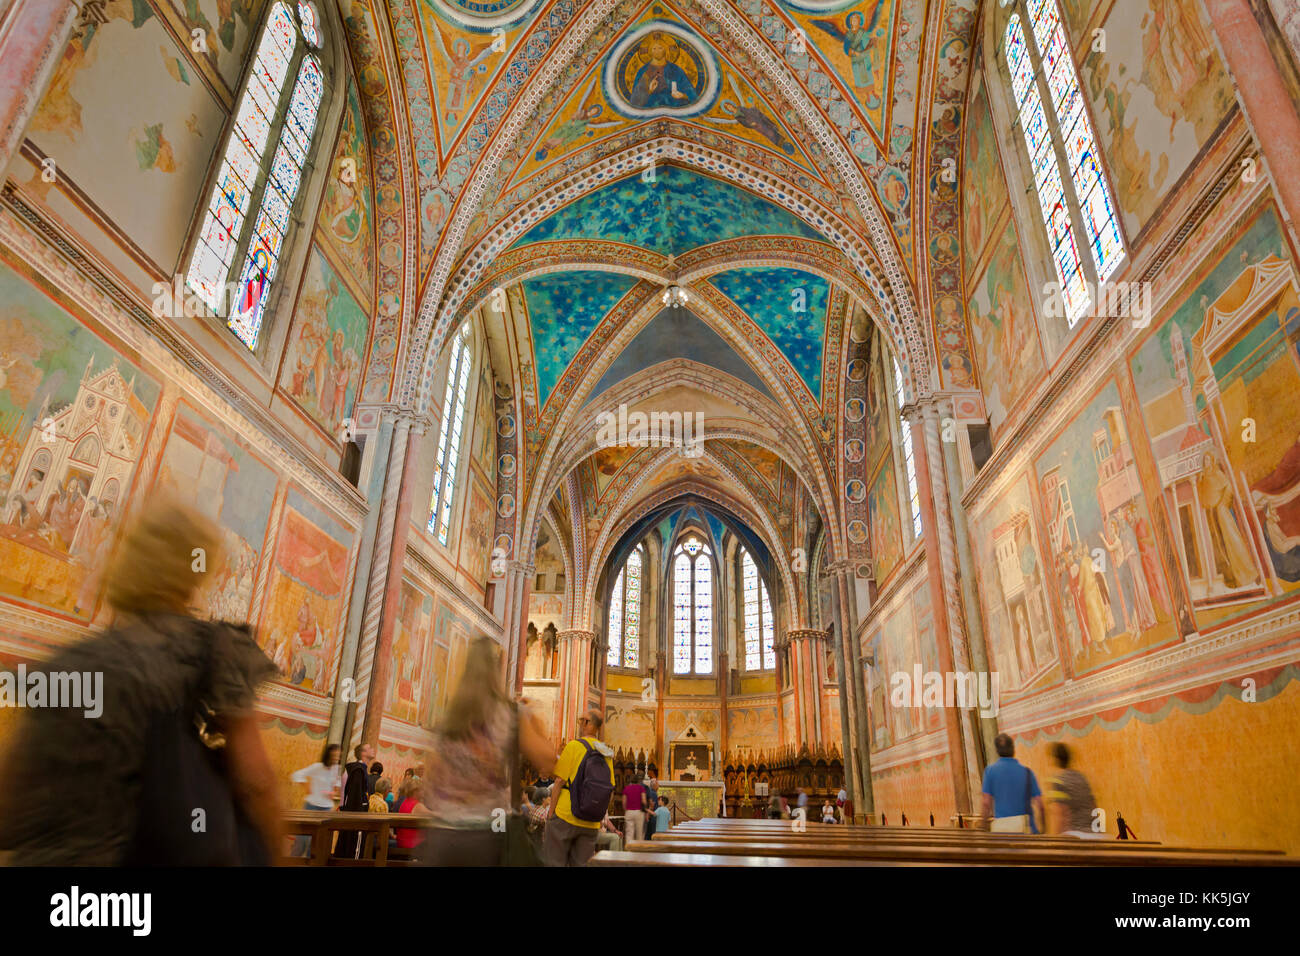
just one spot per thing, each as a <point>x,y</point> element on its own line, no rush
<point>661,70</point>
<point>485,14</point>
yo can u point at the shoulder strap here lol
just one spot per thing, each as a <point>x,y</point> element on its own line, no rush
<point>584,757</point>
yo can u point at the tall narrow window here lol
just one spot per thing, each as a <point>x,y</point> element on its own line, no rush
<point>909,460</point>
<point>625,615</point>
<point>692,608</point>
<point>271,110</point>
<point>759,627</point>
<point>1070,138</point>
<point>449,434</point>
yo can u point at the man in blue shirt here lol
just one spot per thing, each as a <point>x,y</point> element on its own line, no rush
<point>1013,802</point>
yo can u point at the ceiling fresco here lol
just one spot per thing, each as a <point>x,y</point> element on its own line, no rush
<point>676,211</point>
<point>507,138</point>
<point>563,309</point>
<point>789,305</point>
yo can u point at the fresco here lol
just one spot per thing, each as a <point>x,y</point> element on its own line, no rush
<point>478,530</point>
<point>224,479</point>
<point>1217,384</point>
<point>886,528</point>
<point>227,25</point>
<point>1158,94</point>
<point>856,39</point>
<point>138,143</point>
<point>1003,331</point>
<point>411,674</point>
<point>680,210</point>
<point>322,366</point>
<point>1013,586</point>
<point>629,727</point>
<point>452,633</point>
<point>660,68</point>
<point>984,190</point>
<point>563,309</point>
<point>790,306</point>
<point>73,418</point>
<point>306,595</point>
<point>754,727</point>
<point>345,222</point>
<point>1099,537</point>
<point>607,462</point>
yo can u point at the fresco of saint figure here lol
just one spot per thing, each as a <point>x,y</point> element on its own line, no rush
<point>660,81</point>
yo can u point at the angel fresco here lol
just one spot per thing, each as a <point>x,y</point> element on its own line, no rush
<point>463,60</point>
<point>571,130</point>
<point>862,49</point>
<point>753,118</point>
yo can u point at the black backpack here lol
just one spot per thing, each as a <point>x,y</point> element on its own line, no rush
<point>591,789</point>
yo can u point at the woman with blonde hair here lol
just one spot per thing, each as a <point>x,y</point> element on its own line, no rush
<point>175,728</point>
<point>475,764</point>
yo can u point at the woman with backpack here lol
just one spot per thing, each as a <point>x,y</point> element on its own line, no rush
<point>475,762</point>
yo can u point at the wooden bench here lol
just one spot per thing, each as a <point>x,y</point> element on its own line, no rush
<point>375,828</point>
<point>975,852</point>
<point>650,858</point>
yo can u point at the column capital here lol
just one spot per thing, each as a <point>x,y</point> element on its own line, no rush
<point>391,412</point>
<point>520,567</point>
<point>573,634</point>
<point>805,634</point>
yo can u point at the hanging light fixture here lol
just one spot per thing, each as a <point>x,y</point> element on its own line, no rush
<point>675,297</point>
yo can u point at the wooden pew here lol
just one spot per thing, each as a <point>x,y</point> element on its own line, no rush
<point>649,858</point>
<point>996,853</point>
<point>374,827</point>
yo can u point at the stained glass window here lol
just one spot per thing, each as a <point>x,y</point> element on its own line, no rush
<point>692,608</point>
<point>449,435</point>
<point>1050,56</point>
<point>625,615</point>
<point>909,460</point>
<point>757,614</point>
<point>249,167</point>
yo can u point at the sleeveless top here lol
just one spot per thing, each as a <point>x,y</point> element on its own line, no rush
<point>469,780</point>
<point>408,837</point>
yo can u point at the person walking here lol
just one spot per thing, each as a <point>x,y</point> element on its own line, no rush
<point>120,789</point>
<point>475,763</point>
<point>324,781</point>
<point>1069,799</point>
<point>584,784</point>
<point>1012,797</point>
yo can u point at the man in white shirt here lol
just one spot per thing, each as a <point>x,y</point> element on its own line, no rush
<point>324,781</point>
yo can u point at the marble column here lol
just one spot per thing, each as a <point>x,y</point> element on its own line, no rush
<point>853,697</point>
<point>518,586</point>
<point>575,665</point>
<point>806,648</point>
<point>384,583</point>
<point>945,593</point>
<point>33,36</point>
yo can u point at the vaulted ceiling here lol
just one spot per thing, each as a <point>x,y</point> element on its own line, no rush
<point>554,165</point>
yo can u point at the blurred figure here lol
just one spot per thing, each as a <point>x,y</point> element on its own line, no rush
<point>175,729</point>
<point>475,762</point>
<point>324,781</point>
<point>828,812</point>
<point>1069,799</point>
<point>774,808</point>
<point>1011,794</point>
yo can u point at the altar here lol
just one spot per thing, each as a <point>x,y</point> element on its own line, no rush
<point>696,798</point>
